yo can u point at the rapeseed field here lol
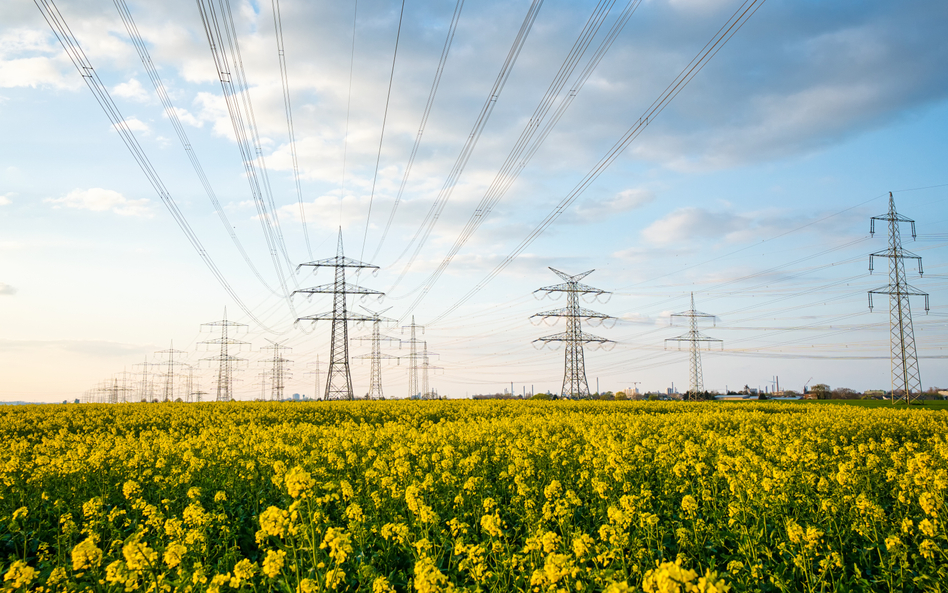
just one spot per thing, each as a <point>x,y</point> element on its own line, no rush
<point>472,496</point>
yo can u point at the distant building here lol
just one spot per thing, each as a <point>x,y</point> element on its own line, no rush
<point>296,396</point>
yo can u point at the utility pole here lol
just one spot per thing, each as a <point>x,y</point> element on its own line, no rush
<point>376,357</point>
<point>226,362</point>
<point>574,375</point>
<point>694,338</point>
<point>413,387</point>
<point>339,377</point>
<point>278,372</point>
<point>168,395</point>
<point>905,373</point>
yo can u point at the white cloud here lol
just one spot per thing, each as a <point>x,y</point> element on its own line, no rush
<point>131,90</point>
<point>623,201</point>
<point>137,125</point>
<point>101,200</point>
<point>686,224</point>
<point>34,72</point>
<point>187,117</point>
<point>5,199</point>
<point>6,289</point>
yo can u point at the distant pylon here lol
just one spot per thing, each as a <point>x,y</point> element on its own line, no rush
<point>414,389</point>
<point>574,374</point>
<point>226,361</point>
<point>905,373</point>
<point>278,373</point>
<point>426,391</point>
<point>168,394</point>
<point>376,357</point>
<point>339,377</point>
<point>694,338</point>
<point>146,388</point>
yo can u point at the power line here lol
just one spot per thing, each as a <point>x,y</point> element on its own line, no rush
<point>284,78</point>
<point>533,135</point>
<point>723,35</point>
<point>172,114</point>
<point>71,45</point>
<point>424,120</point>
<point>378,155</point>
<point>424,230</point>
<point>225,50</point>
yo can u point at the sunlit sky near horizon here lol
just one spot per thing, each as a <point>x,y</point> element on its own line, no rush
<point>753,190</point>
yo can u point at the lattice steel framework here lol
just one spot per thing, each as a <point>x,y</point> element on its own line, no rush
<point>226,362</point>
<point>574,375</point>
<point>377,356</point>
<point>169,354</point>
<point>278,372</point>
<point>339,377</point>
<point>905,373</point>
<point>694,339</point>
<point>414,390</point>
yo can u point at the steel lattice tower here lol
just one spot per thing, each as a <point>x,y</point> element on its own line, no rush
<point>278,373</point>
<point>376,357</point>
<point>574,375</point>
<point>694,338</point>
<point>168,395</point>
<point>339,377</point>
<point>414,389</point>
<point>905,373</point>
<point>226,361</point>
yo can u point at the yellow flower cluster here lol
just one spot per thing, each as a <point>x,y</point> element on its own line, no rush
<point>491,496</point>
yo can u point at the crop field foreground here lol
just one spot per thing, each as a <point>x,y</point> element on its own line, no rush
<point>474,496</point>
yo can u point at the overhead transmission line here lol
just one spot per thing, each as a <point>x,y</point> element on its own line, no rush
<point>345,138</point>
<point>424,230</point>
<point>222,37</point>
<point>172,114</point>
<point>723,35</point>
<point>281,54</point>
<point>533,135</point>
<point>424,121</point>
<point>378,155</point>
<point>78,57</point>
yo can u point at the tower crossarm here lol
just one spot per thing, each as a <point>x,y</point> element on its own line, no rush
<point>574,287</point>
<point>579,337</point>
<point>573,312</point>
<point>347,288</point>
<point>889,218</point>
<point>900,254</point>
<point>694,314</point>
<point>349,316</point>
<point>898,291</point>
<point>696,337</point>
<point>338,261</point>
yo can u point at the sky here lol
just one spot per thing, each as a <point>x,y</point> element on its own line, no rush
<point>752,189</point>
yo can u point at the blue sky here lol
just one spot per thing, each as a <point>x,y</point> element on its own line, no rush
<point>753,190</point>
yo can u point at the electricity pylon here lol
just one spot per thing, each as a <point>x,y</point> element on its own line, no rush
<point>905,374</point>
<point>694,338</point>
<point>315,373</point>
<point>574,375</point>
<point>168,395</point>
<point>146,388</point>
<point>338,378</point>
<point>376,357</point>
<point>413,387</point>
<point>226,362</point>
<point>278,373</point>
<point>426,391</point>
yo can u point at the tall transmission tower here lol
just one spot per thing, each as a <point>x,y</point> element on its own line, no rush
<point>339,377</point>
<point>414,389</point>
<point>226,362</point>
<point>426,391</point>
<point>168,355</point>
<point>146,388</point>
<point>574,374</point>
<point>905,374</point>
<point>315,373</point>
<point>278,373</point>
<point>694,339</point>
<point>376,357</point>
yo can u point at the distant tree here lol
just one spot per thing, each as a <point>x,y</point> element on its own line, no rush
<point>845,393</point>
<point>620,395</point>
<point>541,395</point>
<point>790,393</point>
<point>820,391</point>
